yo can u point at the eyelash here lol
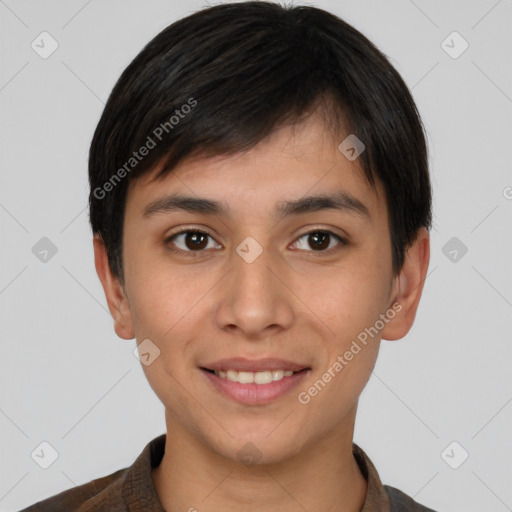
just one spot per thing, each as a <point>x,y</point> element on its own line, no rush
<point>338,247</point>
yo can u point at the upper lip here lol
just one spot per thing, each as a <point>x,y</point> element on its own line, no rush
<point>254,365</point>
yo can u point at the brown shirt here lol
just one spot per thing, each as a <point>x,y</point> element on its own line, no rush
<point>132,489</point>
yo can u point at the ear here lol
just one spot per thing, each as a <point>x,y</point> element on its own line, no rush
<point>408,287</point>
<point>114,292</point>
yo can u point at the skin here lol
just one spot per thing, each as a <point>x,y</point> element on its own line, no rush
<point>292,302</point>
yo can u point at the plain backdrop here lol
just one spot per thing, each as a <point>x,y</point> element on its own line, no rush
<point>442,392</point>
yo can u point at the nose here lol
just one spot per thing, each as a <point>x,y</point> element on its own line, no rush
<point>253,297</point>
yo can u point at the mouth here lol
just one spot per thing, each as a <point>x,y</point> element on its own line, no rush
<point>262,377</point>
<point>255,382</point>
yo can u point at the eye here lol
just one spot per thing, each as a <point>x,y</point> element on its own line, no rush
<point>193,240</point>
<point>320,240</point>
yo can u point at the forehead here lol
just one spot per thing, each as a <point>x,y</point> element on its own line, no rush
<point>297,161</point>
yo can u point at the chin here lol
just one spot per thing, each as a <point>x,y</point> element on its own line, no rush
<point>259,449</point>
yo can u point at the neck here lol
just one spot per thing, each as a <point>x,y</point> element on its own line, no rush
<point>322,476</point>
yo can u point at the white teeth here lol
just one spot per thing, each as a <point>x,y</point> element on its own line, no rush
<point>245,377</point>
<point>277,374</point>
<point>232,375</point>
<point>265,377</point>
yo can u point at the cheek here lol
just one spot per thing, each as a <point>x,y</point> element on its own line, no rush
<point>163,300</point>
<point>166,311</point>
<point>351,301</point>
<point>351,307</point>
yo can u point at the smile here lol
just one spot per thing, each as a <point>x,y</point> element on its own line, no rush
<point>254,388</point>
<point>264,377</point>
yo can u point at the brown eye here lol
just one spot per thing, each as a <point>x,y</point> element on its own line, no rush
<point>196,240</point>
<point>320,241</point>
<point>190,241</point>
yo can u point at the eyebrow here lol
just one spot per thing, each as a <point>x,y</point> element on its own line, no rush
<point>342,201</point>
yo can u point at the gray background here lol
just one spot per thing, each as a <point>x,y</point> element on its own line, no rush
<point>67,379</point>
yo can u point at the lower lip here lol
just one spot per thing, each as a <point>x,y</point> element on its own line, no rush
<point>256,394</point>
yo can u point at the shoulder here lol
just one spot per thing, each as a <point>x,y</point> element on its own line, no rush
<point>400,502</point>
<point>130,488</point>
<point>93,495</point>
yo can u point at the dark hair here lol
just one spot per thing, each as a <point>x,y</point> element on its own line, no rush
<point>220,80</point>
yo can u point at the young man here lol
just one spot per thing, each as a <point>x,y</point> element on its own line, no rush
<point>260,203</point>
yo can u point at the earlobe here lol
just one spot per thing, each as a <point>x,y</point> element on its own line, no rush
<point>409,287</point>
<point>117,302</point>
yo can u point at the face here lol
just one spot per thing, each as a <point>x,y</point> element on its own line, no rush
<point>256,282</point>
